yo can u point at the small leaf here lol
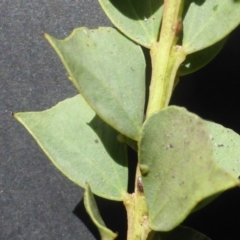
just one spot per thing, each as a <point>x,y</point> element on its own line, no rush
<point>92,209</point>
<point>181,233</point>
<point>207,22</point>
<point>176,147</point>
<point>109,71</point>
<point>226,148</point>
<point>139,20</point>
<point>81,146</point>
<point>197,60</point>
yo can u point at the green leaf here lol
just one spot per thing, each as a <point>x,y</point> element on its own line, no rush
<point>81,146</point>
<point>139,20</point>
<point>206,201</point>
<point>92,209</point>
<point>176,148</point>
<point>207,22</point>
<point>109,71</point>
<point>197,60</point>
<point>181,233</point>
<point>226,148</point>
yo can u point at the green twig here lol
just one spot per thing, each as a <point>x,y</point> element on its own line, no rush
<point>135,204</point>
<point>166,57</point>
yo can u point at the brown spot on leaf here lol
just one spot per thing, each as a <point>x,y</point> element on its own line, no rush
<point>169,146</point>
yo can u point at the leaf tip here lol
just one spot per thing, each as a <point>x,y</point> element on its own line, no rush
<point>46,35</point>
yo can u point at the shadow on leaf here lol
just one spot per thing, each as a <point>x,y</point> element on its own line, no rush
<point>138,10</point>
<point>108,137</point>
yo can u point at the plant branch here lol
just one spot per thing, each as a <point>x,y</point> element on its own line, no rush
<point>166,57</point>
<point>137,215</point>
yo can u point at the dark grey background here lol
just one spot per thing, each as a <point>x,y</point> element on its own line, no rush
<point>36,201</point>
